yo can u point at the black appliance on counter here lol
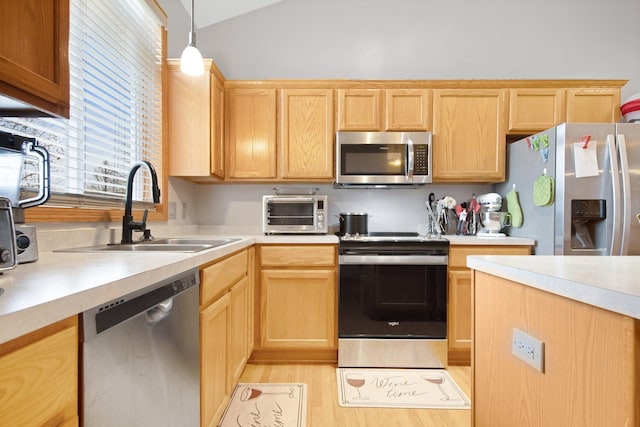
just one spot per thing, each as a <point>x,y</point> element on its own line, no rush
<point>392,304</point>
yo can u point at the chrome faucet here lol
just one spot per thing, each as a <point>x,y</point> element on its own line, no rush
<point>128,224</point>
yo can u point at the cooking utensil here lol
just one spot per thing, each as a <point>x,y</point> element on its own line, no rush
<point>354,223</point>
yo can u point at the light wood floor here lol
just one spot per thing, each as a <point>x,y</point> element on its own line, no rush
<point>322,404</point>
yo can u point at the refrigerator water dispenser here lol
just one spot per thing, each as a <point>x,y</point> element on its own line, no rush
<point>587,226</point>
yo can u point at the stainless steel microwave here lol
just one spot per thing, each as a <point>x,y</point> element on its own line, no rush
<point>383,158</point>
<point>294,214</point>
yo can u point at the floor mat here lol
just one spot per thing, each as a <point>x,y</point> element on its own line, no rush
<point>262,404</point>
<point>399,388</point>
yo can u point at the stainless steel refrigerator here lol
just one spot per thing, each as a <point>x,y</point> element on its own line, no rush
<point>596,176</point>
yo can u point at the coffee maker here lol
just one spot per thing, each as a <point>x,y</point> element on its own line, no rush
<point>15,153</point>
<point>492,219</point>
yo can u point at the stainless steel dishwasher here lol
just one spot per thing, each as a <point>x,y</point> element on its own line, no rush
<point>141,364</point>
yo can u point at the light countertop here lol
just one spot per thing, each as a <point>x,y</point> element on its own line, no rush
<point>611,283</point>
<point>488,241</point>
<point>62,284</point>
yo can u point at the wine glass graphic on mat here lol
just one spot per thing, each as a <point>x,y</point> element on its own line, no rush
<point>356,381</point>
<point>439,380</point>
<point>250,393</point>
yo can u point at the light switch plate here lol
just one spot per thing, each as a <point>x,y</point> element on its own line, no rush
<point>528,349</point>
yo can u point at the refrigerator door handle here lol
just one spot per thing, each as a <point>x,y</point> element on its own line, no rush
<point>626,195</point>
<point>615,180</point>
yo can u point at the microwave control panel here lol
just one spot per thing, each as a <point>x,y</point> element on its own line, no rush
<point>421,153</point>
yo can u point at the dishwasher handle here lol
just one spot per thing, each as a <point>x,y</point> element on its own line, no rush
<point>159,311</point>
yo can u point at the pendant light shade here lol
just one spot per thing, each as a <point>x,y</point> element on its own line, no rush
<point>191,60</point>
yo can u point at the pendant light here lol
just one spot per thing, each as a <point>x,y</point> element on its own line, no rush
<point>191,60</point>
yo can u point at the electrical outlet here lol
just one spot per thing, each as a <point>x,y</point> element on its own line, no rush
<point>172,210</point>
<point>528,348</point>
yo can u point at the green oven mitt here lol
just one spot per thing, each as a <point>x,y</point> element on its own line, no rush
<point>513,207</point>
<point>543,190</point>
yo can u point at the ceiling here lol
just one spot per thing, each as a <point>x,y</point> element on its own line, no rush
<point>209,12</point>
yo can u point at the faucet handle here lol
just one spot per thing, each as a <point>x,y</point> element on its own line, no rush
<point>144,216</point>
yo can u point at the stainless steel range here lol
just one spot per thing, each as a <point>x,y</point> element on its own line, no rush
<point>392,301</point>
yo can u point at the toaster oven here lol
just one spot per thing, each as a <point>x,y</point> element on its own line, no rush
<point>294,214</point>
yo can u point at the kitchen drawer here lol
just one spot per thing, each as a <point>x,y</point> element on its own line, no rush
<point>458,254</point>
<point>299,255</point>
<point>220,276</point>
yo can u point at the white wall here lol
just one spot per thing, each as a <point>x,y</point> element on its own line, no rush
<point>408,39</point>
<point>423,39</point>
<point>236,206</point>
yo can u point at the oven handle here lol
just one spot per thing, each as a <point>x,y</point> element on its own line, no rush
<point>393,259</point>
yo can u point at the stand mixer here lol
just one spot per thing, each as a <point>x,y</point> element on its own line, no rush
<point>492,219</point>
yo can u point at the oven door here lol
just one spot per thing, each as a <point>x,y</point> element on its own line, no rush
<point>392,311</point>
<point>404,298</point>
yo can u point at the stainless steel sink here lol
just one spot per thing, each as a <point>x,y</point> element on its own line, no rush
<point>159,245</point>
<point>192,241</point>
<point>150,247</point>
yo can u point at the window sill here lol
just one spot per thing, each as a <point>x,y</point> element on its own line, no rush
<point>44,214</point>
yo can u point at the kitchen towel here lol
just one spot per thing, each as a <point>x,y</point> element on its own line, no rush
<point>513,207</point>
<point>399,388</point>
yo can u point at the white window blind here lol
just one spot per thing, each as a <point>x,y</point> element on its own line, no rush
<point>115,62</point>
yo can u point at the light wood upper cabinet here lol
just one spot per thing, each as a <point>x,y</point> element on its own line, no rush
<point>306,133</point>
<point>196,123</point>
<point>39,377</point>
<point>408,109</point>
<point>34,53</point>
<point>251,133</point>
<point>469,138</point>
<point>593,105</point>
<point>384,109</point>
<point>534,110</point>
<point>360,109</point>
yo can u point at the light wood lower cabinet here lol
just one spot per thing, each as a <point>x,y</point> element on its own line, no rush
<point>459,297</point>
<point>225,315</point>
<point>591,360</point>
<point>238,343</point>
<point>214,350</point>
<point>39,377</point>
<point>297,303</point>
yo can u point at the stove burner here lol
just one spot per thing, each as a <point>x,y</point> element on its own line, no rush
<point>392,243</point>
<point>390,236</point>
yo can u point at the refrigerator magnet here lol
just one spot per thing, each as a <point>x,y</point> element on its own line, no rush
<point>544,153</point>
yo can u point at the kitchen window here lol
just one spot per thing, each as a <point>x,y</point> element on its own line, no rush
<point>116,54</point>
